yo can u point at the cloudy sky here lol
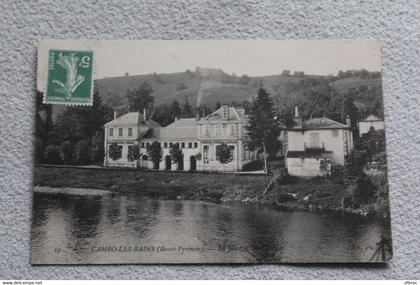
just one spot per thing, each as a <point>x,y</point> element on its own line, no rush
<point>253,57</point>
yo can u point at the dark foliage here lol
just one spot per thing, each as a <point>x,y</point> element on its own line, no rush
<point>224,153</point>
<point>140,98</point>
<point>253,165</point>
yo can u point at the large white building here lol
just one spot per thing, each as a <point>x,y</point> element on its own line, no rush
<point>198,138</point>
<point>313,145</point>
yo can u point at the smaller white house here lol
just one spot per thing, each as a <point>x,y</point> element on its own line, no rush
<point>371,121</point>
<point>313,145</point>
<point>126,131</point>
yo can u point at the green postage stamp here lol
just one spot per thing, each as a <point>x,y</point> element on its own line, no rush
<point>69,78</point>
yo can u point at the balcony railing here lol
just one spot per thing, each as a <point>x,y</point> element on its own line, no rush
<point>314,149</point>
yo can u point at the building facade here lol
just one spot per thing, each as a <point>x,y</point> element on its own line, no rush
<point>371,121</point>
<point>313,145</point>
<point>198,138</point>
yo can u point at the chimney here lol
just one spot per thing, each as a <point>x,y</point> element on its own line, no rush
<point>197,114</point>
<point>145,114</point>
<point>115,114</point>
<point>348,121</point>
<point>297,120</point>
<point>225,112</point>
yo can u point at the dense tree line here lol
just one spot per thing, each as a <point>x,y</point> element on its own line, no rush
<point>74,136</point>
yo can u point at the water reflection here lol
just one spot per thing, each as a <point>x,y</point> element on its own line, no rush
<point>130,229</point>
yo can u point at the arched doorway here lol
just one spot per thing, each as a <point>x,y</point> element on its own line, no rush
<point>193,163</point>
<point>168,162</point>
<point>144,161</point>
<point>181,164</point>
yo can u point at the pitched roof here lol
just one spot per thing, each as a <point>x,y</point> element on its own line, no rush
<point>372,118</point>
<point>132,118</point>
<point>233,115</point>
<point>322,123</point>
<point>181,129</point>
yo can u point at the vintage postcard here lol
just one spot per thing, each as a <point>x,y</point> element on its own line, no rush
<point>210,152</point>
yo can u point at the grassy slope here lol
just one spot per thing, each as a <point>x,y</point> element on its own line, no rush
<point>155,184</point>
<point>113,90</point>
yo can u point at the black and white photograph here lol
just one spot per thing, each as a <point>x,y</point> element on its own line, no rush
<point>212,151</point>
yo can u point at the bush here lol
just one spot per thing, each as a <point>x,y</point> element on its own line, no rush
<point>53,155</point>
<point>67,151</point>
<point>337,173</point>
<point>287,179</point>
<point>365,190</point>
<point>284,197</point>
<point>253,165</point>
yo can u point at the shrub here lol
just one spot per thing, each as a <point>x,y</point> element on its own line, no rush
<point>284,197</point>
<point>365,190</point>
<point>337,173</point>
<point>67,151</point>
<point>253,165</point>
<point>287,179</point>
<point>53,155</point>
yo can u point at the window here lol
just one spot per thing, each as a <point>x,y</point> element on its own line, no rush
<point>218,130</point>
<point>206,152</point>
<point>207,131</point>
<point>195,145</point>
<point>120,132</point>
<point>111,132</point>
<point>183,145</point>
<point>147,144</point>
<point>130,132</point>
<point>233,130</point>
<point>314,140</point>
<point>335,133</point>
<point>190,145</point>
<point>170,144</point>
<point>165,144</point>
<point>142,144</point>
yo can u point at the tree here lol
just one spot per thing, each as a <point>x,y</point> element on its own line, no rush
<point>67,151</point>
<point>96,149</point>
<point>162,115</point>
<point>114,151</point>
<point>263,127</point>
<point>187,109</point>
<point>52,155</point>
<point>78,123</point>
<point>81,152</point>
<point>175,109</point>
<point>154,151</point>
<point>244,79</point>
<point>140,98</point>
<point>224,153</point>
<point>43,126</point>
<point>133,153</point>
<point>218,105</point>
<point>176,153</point>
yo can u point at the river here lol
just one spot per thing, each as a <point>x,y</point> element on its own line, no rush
<point>101,229</point>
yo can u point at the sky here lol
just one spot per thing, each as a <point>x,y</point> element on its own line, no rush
<point>251,57</point>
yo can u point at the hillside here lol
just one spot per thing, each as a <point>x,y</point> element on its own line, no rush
<point>209,86</point>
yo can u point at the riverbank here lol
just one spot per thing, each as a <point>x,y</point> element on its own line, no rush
<point>298,194</point>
